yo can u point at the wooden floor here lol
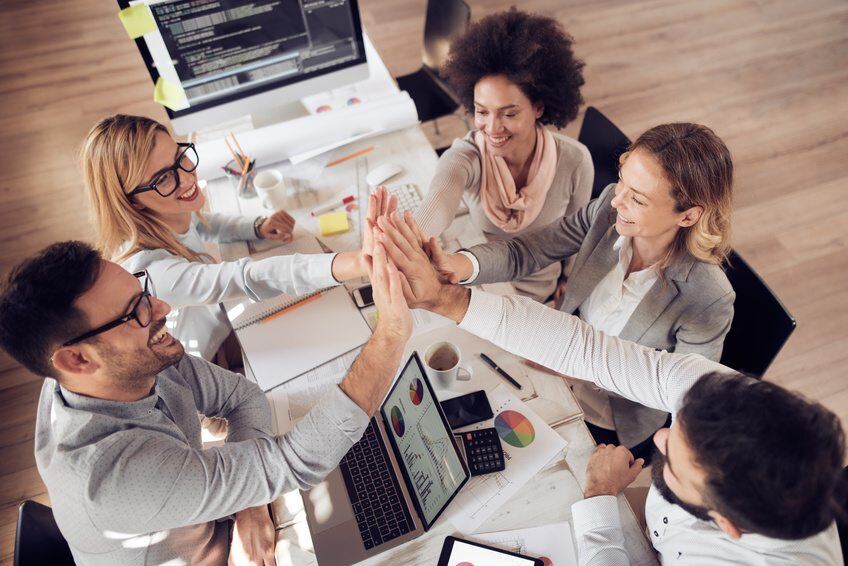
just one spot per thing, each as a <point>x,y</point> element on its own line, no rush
<point>769,76</point>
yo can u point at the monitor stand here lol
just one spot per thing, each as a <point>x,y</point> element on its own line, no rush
<point>248,122</point>
<point>282,113</point>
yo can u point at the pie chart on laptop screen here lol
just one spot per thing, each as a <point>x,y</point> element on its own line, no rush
<point>416,391</point>
<point>515,429</point>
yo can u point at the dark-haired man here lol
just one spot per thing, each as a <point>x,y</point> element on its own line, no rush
<point>748,472</point>
<point>117,435</point>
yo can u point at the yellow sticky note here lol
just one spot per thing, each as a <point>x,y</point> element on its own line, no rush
<point>333,223</point>
<point>168,94</point>
<point>137,20</point>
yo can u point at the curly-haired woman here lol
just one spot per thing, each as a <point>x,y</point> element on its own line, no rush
<point>517,72</point>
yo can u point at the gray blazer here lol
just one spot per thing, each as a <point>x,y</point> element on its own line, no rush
<point>690,312</point>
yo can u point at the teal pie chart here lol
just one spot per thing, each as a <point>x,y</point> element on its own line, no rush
<point>397,421</point>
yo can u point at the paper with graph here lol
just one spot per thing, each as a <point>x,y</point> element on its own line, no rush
<point>553,542</point>
<point>528,444</point>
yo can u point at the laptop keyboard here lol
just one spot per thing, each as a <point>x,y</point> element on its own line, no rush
<point>381,513</point>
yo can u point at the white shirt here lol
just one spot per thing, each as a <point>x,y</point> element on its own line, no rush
<point>194,289</point>
<point>653,378</point>
<point>608,308</point>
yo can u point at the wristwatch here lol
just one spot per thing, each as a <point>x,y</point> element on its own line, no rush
<point>256,224</point>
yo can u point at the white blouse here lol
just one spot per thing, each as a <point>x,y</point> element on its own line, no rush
<point>608,308</point>
<point>194,289</point>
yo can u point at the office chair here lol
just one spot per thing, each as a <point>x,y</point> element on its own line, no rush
<point>606,143</point>
<point>446,19</point>
<point>842,519</point>
<point>761,324</point>
<point>38,540</point>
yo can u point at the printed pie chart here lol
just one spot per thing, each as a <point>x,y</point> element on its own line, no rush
<point>515,429</point>
<point>465,564</point>
<point>397,421</point>
<point>416,391</point>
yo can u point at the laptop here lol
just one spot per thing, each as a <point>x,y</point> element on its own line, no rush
<point>394,483</point>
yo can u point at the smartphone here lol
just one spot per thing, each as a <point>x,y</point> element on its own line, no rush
<point>458,551</point>
<point>363,297</point>
<point>467,409</point>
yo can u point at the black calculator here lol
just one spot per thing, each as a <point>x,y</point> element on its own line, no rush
<point>483,451</point>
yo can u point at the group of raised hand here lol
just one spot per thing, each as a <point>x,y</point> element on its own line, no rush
<point>407,266</point>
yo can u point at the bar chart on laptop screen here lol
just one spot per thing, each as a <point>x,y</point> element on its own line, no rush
<point>424,444</point>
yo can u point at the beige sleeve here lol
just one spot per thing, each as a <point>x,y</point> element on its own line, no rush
<point>455,172</point>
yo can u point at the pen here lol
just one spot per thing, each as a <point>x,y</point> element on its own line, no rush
<point>351,156</point>
<point>332,205</point>
<point>495,367</point>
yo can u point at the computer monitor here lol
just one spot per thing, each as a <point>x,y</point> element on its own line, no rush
<point>239,57</point>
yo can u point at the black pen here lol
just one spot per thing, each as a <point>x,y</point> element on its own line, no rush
<point>495,367</point>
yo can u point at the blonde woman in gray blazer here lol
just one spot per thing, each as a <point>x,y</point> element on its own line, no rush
<point>648,254</point>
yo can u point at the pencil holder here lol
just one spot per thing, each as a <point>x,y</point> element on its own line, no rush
<point>243,184</point>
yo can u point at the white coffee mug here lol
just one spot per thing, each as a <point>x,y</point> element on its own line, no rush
<point>442,362</point>
<point>271,189</point>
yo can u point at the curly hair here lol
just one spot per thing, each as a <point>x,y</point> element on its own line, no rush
<point>532,51</point>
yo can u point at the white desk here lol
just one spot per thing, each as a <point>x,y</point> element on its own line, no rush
<point>549,496</point>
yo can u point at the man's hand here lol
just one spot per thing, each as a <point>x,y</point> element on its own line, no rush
<point>387,283</point>
<point>278,226</point>
<point>610,470</point>
<point>253,538</point>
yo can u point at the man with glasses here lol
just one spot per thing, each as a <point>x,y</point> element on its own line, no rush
<point>117,435</point>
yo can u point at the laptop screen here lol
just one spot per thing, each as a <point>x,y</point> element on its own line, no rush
<point>423,444</point>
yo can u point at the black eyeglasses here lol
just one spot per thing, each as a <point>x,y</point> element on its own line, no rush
<point>169,180</point>
<point>141,312</point>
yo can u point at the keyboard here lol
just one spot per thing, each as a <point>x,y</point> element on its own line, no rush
<point>409,199</point>
<point>380,510</point>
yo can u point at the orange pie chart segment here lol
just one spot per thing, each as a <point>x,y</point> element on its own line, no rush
<point>515,429</point>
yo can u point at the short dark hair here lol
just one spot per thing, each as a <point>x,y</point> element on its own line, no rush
<point>773,460</point>
<point>37,312</point>
<point>532,51</point>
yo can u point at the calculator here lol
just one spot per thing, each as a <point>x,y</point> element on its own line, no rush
<point>483,451</point>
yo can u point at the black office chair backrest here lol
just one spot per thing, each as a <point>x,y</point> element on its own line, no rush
<point>761,324</point>
<point>842,517</point>
<point>446,20</point>
<point>606,143</point>
<point>38,540</point>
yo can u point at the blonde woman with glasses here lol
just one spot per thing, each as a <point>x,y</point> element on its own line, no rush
<point>146,207</point>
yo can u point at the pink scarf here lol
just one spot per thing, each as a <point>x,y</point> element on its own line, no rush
<point>509,209</point>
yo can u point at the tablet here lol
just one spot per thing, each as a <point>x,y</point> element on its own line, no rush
<point>458,552</point>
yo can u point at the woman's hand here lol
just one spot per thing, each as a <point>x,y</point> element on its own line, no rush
<point>380,203</point>
<point>278,226</point>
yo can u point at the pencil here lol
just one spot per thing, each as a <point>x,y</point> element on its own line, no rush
<point>244,173</point>
<point>238,145</point>
<point>351,156</point>
<point>237,158</point>
<point>290,308</point>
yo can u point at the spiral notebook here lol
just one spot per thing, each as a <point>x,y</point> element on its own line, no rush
<point>285,337</point>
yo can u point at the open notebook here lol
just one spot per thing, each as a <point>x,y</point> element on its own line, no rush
<point>286,336</point>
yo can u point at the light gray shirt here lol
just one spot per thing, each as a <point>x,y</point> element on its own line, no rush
<point>130,483</point>
<point>194,289</point>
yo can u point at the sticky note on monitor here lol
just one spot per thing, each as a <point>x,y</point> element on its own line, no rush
<point>168,94</point>
<point>137,20</point>
<point>333,223</point>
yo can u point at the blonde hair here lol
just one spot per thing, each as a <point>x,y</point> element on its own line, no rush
<point>114,157</point>
<point>698,166</point>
